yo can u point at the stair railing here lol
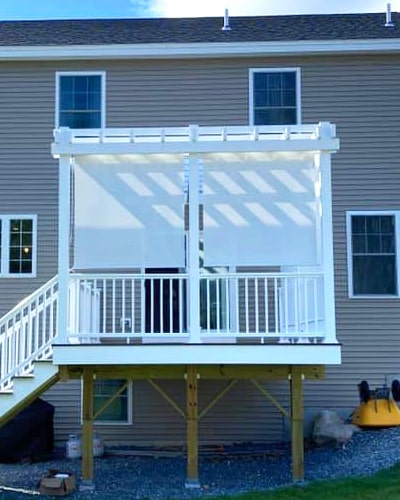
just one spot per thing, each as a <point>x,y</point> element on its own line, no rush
<point>27,333</point>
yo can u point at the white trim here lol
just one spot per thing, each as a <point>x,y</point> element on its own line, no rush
<point>194,246</point>
<point>64,220</point>
<point>296,70</point>
<point>198,50</point>
<point>349,252</point>
<point>171,140</point>
<point>173,354</point>
<point>5,245</point>
<point>327,247</point>
<point>109,423</point>
<point>102,74</point>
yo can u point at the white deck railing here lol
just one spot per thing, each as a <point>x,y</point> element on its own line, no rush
<point>265,306</point>
<point>127,306</point>
<point>27,333</point>
<point>139,307</point>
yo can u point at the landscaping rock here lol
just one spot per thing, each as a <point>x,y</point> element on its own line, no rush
<point>330,428</point>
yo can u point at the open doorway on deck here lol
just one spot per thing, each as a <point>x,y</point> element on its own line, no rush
<point>165,310</point>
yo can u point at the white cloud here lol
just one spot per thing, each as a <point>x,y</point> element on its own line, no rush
<point>199,8</point>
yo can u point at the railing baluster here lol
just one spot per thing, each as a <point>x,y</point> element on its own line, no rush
<point>142,305</point>
<point>227,306</point>
<point>123,318</point>
<point>266,306</point>
<point>306,314</point>
<point>44,318</point>
<point>104,311</point>
<point>161,299</point>
<point>51,319</point>
<point>171,306</point>
<point>113,329</point>
<point>182,296</point>
<point>237,310</point>
<point>256,304</point>
<point>151,281</point>
<point>316,304</point>
<point>133,305</point>
<point>11,344</point>
<point>217,304</point>
<point>37,323</point>
<point>246,302</point>
<point>277,308</point>
<point>286,292</point>
<point>208,304</point>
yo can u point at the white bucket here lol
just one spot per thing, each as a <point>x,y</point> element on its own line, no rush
<point>74,449</point>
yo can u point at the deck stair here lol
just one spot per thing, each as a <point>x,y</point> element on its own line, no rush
<point>26,388</point>
<point>27,333</point>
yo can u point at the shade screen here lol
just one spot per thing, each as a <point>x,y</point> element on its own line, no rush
<point>260,209</point>
<point>129,212</point>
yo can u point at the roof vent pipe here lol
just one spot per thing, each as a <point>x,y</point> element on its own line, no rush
<point>389,23</point>
<point>226,26</point>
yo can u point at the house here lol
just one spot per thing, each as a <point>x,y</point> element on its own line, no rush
<point>186,248</point>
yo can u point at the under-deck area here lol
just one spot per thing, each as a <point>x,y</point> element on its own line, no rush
<point>193,411</point>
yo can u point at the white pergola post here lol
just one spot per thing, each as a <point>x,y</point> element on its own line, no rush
<point>64,211</point>
<point>194,247</point>
<point>327,248</point>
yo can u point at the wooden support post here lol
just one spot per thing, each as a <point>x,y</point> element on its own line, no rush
<point>192,476</point>
<point>87,430</point>
<point>296,387</point>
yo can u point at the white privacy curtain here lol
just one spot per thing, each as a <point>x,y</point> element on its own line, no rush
<point>129,211</point>
<point>260,209</point>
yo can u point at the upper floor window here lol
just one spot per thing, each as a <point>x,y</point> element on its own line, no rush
<point>80,100</point>
<point>17,245</point>
<point>372,253</point>
<point>274,96</point>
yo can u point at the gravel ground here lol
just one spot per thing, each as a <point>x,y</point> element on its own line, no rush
<point>234,471</point>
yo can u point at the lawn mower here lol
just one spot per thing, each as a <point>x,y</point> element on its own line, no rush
<point>378,407</point>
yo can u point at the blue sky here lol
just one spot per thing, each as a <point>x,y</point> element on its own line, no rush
<point>69,9</point>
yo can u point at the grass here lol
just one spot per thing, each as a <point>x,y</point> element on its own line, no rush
<point>385,485</point>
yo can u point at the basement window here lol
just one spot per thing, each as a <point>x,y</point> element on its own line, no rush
<point>80,100</point>
<point>372,255</point>
<point>18,245</point>
<point>114,397</point>
<point>274,96</point>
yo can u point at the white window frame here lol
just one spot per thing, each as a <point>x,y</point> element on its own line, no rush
<point>112,422</point>
<point>102,74</point>
<point>349,214</point>
<point>252,71</point>
<point>5,245</point>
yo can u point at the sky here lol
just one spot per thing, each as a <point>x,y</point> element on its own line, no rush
<point>72,9</point>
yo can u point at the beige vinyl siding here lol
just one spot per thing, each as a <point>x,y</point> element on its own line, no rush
<point>243,414</point>
<point>357,93</point>
<point>360,95</point>
<point>28,173</point>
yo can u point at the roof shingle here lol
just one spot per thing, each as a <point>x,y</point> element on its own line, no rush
<point>198,30</point>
